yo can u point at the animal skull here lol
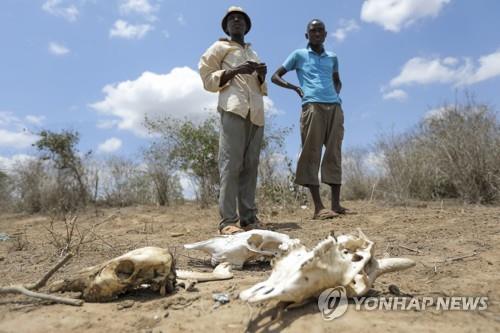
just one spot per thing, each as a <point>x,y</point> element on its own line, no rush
<point>153,266</point>
<point>346,261</point>
<point>242,247</point>
<point>150,266</point>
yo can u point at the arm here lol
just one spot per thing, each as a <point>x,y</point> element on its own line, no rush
<point>277,79</point>
<point>246,68</point>
<point>261,70</point>
<point>336,82</point>
<point>213,76</point>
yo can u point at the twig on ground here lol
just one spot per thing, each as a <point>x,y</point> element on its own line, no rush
<point>24,291</point>
<point>41,283</point>
<point>409,249</point>
<point>28,289</point>
<point>473,254</point>
<point>250,316</point>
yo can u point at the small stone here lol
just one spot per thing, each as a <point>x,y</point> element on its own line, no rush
<point>166,314</point>
<point>221,298</point>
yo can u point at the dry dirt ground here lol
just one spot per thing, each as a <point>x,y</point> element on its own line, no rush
<point>433,234</point>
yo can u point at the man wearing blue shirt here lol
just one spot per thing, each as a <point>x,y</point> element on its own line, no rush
<point>322,118</point>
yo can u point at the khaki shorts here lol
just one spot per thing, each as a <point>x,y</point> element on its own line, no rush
<point>320,125</point>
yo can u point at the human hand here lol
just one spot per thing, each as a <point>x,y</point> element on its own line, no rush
<point>245,68</point>
<point>299,91</point>
<point>261,70</point>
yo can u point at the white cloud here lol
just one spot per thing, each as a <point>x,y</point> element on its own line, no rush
<point>345,26</point>
<point>58,49</point>
<point>396,94</point>
<point>436,113</point>
<point>13,133</point>
<point>181,20</point>
<point>178,94</point>
<point>123,29</point>
<point>189,188</point>
<point>35,120</point>
<point>448,70</point>
<point>9,163</point>
<point>375,163</point>
<point>450,61</point>
<point>110,145</point>
<point>7,118</point>
<point>16,139</point>
<point>489,67</point>
<point>107,123</point>
<point>394,15</point>
<point>141,7</point>
<point>424,71</point>
<point>55,7</point>
<point>443,111</point>
<point>270,108</point>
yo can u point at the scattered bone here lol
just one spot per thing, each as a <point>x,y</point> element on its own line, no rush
<point>188,279</point>
<point>346,261</point>
<point>221,272</point>
<point>188,285</point>
<point>242,247</point>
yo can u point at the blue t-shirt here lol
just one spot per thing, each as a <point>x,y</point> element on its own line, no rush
<point>314,72</point>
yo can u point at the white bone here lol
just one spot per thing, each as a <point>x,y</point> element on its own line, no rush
<point>221,272</point>
<point>301,274</point>
<point>241,247</point>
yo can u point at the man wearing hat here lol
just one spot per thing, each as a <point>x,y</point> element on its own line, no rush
<point>231,68</point>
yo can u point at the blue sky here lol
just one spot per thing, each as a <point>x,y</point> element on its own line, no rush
<point>98,66</point>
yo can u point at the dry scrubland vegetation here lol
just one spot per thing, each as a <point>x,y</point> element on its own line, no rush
<point>430,194</point>
<point>454,154</point>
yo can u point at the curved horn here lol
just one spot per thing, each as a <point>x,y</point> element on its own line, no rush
<point>388,265</point>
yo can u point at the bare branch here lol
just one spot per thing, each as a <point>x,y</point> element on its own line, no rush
<point>24,291</point>
<point>41,283</point>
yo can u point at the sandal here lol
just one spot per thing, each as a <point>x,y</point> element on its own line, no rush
<point>256,224</point>
<point>253,226</point>
<point>344,211</point>
<point>325,214</point>
<point>230,230</point>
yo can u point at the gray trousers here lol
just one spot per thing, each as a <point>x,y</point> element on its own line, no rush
<point>239,149</point>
